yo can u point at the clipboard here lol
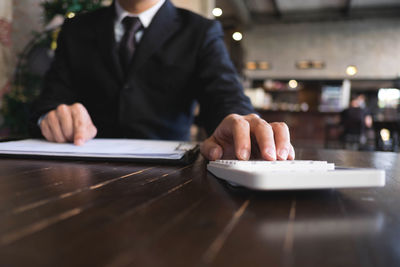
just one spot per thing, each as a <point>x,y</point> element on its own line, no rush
<point>104,149</point>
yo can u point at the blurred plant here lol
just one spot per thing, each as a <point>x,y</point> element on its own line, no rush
<point>34,61</point>
<point>68,7</point>
<point>27,83</point>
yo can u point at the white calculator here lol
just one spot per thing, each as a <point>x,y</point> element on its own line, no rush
<point>294,174</point>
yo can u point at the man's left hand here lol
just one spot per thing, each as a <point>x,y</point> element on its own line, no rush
<point>245,137</point>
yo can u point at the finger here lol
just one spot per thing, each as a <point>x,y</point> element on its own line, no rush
<point>79,121</point>
<point>210,149</point>
<point>264,135</point>
<point>282,140</point>
<point>65,118</point>
<point>44,127</point>
<point>55,127</point>
<point>241,137</point>
<point>84,129</point>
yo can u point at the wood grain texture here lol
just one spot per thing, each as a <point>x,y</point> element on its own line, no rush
<point>69,213</point>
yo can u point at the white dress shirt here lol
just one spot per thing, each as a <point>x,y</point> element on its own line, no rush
<point>145,18</point>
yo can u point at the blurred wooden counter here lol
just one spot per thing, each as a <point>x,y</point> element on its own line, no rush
<point>306,128</point>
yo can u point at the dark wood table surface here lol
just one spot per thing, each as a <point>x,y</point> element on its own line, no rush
<point>79,213</point>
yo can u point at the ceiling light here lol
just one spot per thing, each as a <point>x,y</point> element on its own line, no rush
<point>237,36</point>
<point>217,12</point>
<point>264,65</point>
<point>251,65</point>
<point>317,64</point>
<point>351,70</point>
<point>303,64</point>
<point>293,84</point>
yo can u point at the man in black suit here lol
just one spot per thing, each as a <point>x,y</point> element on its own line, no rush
<point>140,77</point>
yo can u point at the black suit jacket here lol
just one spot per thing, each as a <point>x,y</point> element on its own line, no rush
<point>180,59</point>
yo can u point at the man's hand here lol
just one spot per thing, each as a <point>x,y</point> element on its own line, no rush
<point>68,124</point>
<point>244,136</point>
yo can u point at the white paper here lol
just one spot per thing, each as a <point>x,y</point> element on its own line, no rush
<point>103,148</point>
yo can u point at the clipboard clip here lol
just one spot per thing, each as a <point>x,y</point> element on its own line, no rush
<point>186,146</point>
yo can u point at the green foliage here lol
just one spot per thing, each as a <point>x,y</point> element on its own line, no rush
<point>16,110</point>
<point>63,7</point>
<point>27,83</point>
<point>25,88</point>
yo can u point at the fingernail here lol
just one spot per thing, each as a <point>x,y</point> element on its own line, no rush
<point>214,154</point>
<point>79,142</point>
<point>283,153</point>
<point>244,154</point>
<point>271,152</point>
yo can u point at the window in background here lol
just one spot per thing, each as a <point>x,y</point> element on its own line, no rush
<point>388,97</point>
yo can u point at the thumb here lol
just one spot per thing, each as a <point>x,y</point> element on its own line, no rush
<point>210,149</point>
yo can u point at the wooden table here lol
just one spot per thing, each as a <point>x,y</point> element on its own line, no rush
<point>77,213</point>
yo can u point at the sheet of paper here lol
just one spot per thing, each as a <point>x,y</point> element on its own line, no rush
<point>105,148</point>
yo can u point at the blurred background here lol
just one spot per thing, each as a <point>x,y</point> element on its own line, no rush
<point>330,69</point>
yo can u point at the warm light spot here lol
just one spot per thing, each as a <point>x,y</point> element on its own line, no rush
<point>70,15</point>
<point>303,64</point>
<point>251,65</point>
<point>263,65</point>
<point>351,70</point>
<point>293,84</point>
<point>237,36</point>
<point>217,12</point>
<point>318,64</point>
<point>385,134</point>
<point>53,45</point>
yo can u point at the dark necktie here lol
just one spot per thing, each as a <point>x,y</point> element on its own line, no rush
<point>128,42</point>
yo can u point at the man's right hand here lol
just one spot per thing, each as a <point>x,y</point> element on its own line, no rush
<point>68,124</point>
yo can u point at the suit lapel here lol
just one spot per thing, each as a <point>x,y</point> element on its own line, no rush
<point>106,43</point>
<point>164,24</point>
